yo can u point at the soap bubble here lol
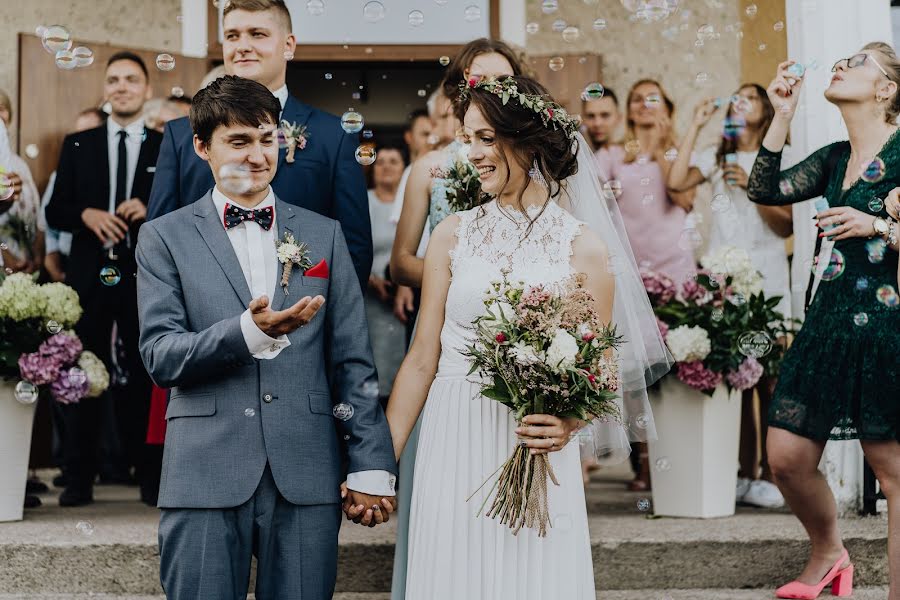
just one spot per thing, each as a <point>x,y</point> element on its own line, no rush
<point>532,28</point>
<point>652,101</point>
<point>444,61</point>
<point>84,56</point>
<point>733,126</point>
<point>365,155</point>
<point>643,504</point>
<point>571,34</point>
<point>26,392</point>
<point>671,154</point>
<point>416,18</point>
<point>876,204</point>
<point>778,26</point>
<point>557,63</point>
<point>472,13</point>
<point>755,344</point>
<point>641,421</point>
<point>352,122</point>
<point>874,171</point>
<point>701,78</point>
<point>77,377</point>
<point>315,7</point>
<point>599,24</point>
<point>797,70</point>
<point>65,60</point>
<point>860,319</point>
<point>738,299</point>
<point>549,6</point>
<point>663,464</point>
<point>592,91</point>
<point>110,276</point>
<point>612,189</point>
<point>862,284</point>
<point>342,411</point>
<point>558,25</point>
<point>835,267</point>
<point>720,203</point>
<point>690,239</point>
<point>249,412</point>
<point>633,147</point>
<point>751,10</point>
<point>717,315</point>
<point>85,528</point>
<point>706,32</point>
<point>165,62</point>
<point>647,199</point>
<point>235,179</point>
<point>56,38</point>
<point>370,389</point>
<point>875,250</point>
<point>887,295</point>
<point>373,12</point>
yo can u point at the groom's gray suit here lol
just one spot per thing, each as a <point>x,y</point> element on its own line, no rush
<point>254,458</point>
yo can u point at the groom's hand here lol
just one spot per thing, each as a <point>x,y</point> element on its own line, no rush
<point>278,323</point>
<point>365,509</point>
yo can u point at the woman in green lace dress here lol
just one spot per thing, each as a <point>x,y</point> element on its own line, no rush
<point>841,377</point>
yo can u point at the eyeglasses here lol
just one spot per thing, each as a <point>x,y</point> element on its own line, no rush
<point>857,60</point>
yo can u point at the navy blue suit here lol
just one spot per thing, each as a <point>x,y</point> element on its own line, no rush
<point>324,177</point>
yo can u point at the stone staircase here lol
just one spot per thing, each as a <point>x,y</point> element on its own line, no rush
<point>109,550</point>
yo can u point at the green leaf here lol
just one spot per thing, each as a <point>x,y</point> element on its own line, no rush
<point>505,98</point>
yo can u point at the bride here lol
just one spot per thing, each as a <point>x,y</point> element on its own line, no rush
<point>532,161</point>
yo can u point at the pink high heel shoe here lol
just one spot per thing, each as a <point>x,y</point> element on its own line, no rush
<point>841,581</point>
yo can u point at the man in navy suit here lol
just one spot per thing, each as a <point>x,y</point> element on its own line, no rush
<point>324,176</point>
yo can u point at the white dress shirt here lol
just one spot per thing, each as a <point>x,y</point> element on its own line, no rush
<point>133,141</point>
<point>255,250</point>
<point>282,95</point>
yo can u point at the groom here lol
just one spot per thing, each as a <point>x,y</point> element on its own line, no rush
<point>261,364</point>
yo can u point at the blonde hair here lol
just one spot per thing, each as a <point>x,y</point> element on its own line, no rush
<point>671,140</point>
<point>891,64</point>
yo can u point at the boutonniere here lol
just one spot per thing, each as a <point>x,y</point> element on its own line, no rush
<point>293,137</point>
<point>291,254</point>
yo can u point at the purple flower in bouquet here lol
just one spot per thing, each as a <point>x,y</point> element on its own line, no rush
<point>62,347</point>
<point>38,369</point>
<point>697,376</point>
<point>693,291</point>
<point>69,388</point>
<point>659,287</point>
<point>746,376</point>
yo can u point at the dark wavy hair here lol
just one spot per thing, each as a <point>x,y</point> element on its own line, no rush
<point>456,71</point>
<point>728,145</point>
<point>522,137</point>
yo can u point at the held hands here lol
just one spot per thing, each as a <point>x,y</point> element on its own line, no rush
<point>381,287</point>
<point>404,303</point>
<point>736,176</point>
<point>278,323</point>
<point>848,222</point>
<point>365,509</point>
<point>107,227</point>
<point>132,210</point>
<point>546,433</point>
<point>784,91</point>
<point>12,180</point>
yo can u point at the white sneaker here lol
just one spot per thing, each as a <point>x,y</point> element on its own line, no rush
<point>743,486</point>
<point>764,494</point>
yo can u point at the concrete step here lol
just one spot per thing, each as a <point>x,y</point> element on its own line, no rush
<point>111,547</point>
<point>879,593</point>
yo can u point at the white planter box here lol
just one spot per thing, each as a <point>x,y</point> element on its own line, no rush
<point>16,420</point>
<point>697,448</point>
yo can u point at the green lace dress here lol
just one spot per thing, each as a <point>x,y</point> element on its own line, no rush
<point>840,378</point>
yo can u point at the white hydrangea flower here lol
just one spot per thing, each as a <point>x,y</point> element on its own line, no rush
<point>524,354</point>
<point>97,375</point>
<point>562,350</point>
<point>735,262</point>
<point>688,343</point>
<point>21,298</point>
<point>62,304</point>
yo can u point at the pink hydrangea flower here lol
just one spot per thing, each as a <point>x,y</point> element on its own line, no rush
<point>38,368</point>
<point>660,288</point>
<point>746,376</point>
<point>698,376</point>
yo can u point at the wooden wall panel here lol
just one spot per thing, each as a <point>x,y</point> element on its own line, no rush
<point>567,84</point>
<point>50,98</point>
<point>762,47</point>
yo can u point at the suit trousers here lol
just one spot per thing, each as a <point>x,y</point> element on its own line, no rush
<point>206,552</point>
<point>130,400</point>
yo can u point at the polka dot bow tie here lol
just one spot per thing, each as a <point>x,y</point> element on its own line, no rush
<point>235,215</point>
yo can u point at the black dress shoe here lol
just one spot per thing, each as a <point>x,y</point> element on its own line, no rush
<point>36,486</point>
<point>32,501</point>
<point>76,496</point>
<point>60,481</point>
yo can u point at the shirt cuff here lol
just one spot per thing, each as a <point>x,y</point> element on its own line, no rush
<point>260,345</point>
<point>373,483</point>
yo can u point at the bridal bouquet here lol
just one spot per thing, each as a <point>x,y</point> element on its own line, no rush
<point>37,345</point>
<point>541,351</point>
<point>718,324</point>
<point>461,181</point>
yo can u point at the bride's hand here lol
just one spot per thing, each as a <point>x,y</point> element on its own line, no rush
<point>546,433</point>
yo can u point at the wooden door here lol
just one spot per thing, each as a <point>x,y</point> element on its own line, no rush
<point>567,83</point>
<point>51,98</point>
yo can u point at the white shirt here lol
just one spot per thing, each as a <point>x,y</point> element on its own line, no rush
<point>282,95</point>
<point>133,141</point>
<point>398,208</point>
<point>255,251</point>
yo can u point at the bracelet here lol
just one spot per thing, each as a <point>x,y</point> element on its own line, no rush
<point>892,232</point>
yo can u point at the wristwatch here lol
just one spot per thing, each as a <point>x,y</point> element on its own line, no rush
<point>880,226</point>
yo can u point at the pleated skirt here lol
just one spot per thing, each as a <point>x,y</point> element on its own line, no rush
<point>456,553</point>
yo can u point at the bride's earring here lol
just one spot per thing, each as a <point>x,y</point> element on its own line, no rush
<point>536,175</point>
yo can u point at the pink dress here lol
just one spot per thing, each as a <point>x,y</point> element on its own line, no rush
<point>653,222</point>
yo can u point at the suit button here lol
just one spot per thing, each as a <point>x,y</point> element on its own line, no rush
<point>267,397</point>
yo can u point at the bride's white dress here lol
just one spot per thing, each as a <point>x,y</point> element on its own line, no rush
<point>455,554</point>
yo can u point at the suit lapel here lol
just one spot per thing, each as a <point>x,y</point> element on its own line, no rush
<point>296,113</point>
<point>285,217</point>
<point>210,227</point>
<point>103,145</point>
<point>146,158</point>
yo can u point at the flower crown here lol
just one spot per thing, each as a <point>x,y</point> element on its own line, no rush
<point>551,113</point>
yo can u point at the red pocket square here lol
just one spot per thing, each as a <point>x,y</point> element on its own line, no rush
<point>318,270</point>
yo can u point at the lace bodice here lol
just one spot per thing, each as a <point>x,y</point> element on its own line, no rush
<point>490,239</point>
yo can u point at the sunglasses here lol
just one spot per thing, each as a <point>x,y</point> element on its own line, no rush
<point>857,60</point>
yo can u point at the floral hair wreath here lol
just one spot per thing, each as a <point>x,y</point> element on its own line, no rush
<point>551,113</point>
